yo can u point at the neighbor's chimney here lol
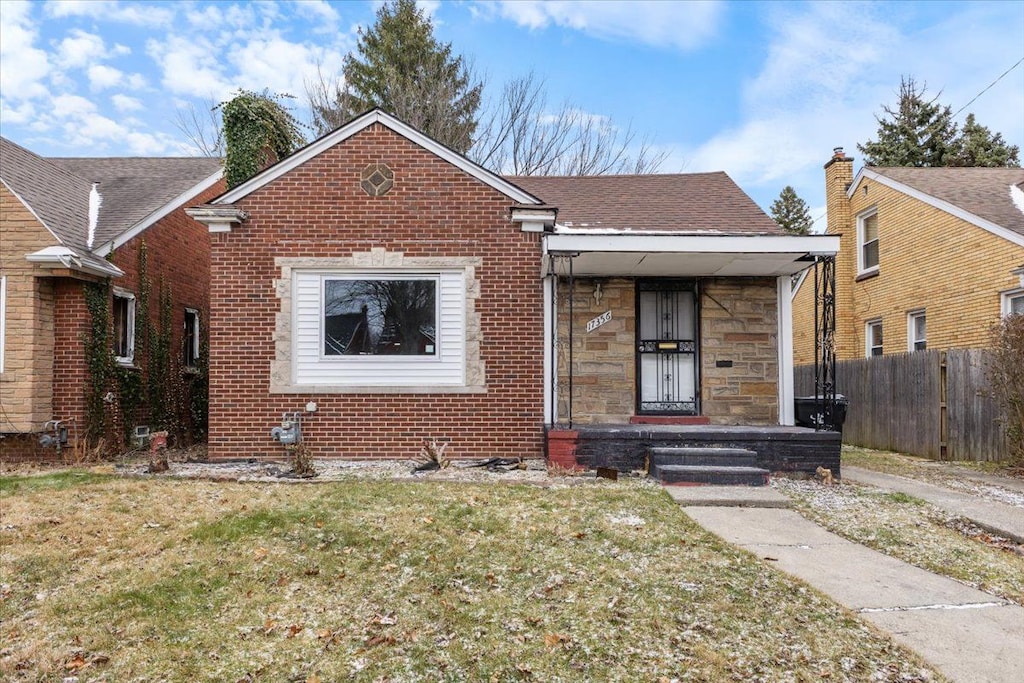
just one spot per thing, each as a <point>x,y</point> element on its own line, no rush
<point>838,176</point>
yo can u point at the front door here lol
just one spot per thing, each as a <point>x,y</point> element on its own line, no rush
<point>666,346</point>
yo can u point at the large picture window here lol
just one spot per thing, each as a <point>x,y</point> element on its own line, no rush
<point>380,316</point>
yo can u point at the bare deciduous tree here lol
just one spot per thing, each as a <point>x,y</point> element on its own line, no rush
<point>201,126</point>
<point>520,135</point>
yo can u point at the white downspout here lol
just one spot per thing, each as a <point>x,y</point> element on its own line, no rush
<point>785,298</point>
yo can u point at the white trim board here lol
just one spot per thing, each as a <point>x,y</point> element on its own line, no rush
<point>358,124</point>
<point>940,204</point>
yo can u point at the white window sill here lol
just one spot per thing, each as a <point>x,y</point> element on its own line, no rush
<point>866,274</point>
<point>375,389</point>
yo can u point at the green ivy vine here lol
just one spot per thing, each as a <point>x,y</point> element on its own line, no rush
<point>258,130</point>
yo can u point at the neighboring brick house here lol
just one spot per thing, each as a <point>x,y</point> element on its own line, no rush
<point>930,258</point>
<point>677,289</point>
<point>70,221</point>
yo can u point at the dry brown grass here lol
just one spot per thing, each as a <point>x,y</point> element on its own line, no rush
<point>153,579</point>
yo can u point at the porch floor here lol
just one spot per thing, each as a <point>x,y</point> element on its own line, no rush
<point>779,448</point>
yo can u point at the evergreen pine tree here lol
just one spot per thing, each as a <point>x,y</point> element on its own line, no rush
<point>399,66</point>
<point>977,146</point>
<point>791,212</point>
<point>919,132</point>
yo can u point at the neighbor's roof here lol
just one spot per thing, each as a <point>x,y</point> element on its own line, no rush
<point>697,203</point>
<point>133,193</point>
<point>995,195</point>
<point>133,188</point>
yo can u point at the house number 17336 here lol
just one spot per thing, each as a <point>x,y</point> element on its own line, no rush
<point>598,321</point>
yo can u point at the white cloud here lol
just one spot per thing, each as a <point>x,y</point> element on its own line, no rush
<point>189,66</point>
<point>80,49</point>
<point>125,103</point>
<point>102,76</point>
<point>142,14</point>
<point>324,17</point>
<point>23,66</point>
<point>680,25</point>
<point>17,115</point>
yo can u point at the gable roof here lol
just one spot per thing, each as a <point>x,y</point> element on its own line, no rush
<point>135,188</point>
<point>691,203</point>
<point>991,198</point>
<point>128,194</point>
<point>358,124</point>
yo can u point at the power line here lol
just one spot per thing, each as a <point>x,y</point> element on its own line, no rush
<point>1019,61</point>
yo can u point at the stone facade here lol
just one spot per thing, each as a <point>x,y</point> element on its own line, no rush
<point>319,211</point>
<point>738,327</point>
<point>929,260</point>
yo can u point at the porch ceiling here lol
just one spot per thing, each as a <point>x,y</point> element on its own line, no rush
<point>659,255</point>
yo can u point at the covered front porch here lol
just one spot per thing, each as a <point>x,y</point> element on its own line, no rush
<point>679,341</point>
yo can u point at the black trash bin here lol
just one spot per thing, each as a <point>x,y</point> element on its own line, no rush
<point>809,415</point>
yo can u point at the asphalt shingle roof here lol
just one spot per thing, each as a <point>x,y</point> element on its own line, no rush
<point>131,188</point>
<point>687,203</point>
<point>985,192</point>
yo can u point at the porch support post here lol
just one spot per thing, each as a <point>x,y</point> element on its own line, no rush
<point>550,294</point>
<point>824,341</point>
<point>785,349</point>
<point>572,295</point>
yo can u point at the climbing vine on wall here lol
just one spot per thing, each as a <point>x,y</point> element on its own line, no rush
<point>152,392</point>
<point>258,130</point>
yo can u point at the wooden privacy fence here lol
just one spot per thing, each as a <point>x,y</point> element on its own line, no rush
<point>935,404</point>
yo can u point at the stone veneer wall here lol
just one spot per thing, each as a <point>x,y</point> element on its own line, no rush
<point>604,365</point>
<point>739,323</point>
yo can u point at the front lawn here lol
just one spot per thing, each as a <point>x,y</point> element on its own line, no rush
<point>116,579</point>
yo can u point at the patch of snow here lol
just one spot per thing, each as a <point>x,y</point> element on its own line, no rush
<point>95,201</point>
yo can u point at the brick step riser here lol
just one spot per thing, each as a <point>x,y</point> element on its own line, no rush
<point>722,457</point>
<point>713,478</point>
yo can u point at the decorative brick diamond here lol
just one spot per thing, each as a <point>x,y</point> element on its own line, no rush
<point>377,179</point>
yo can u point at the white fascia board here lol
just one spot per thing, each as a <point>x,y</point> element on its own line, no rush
<point>533,220</point>
<point>940,204</point>
<point>63,257</point>
<point>217,218</point>
<point>134,231</point>
<point>317,147</point>
<point>712,244</point>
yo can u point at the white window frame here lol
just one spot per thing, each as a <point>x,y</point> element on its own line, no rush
<point>435,277</point>
<point>912,340</point>
<point>130,297</point>
<point>861,219</point>
<point>3,318</point>
<point>869,338</point>
<point>1007,299</point>
<point>193,357</point>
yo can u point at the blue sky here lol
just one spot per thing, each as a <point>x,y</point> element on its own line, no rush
<point>763,91</point>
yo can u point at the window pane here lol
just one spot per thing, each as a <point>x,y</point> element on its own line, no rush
<point>121,331</point>
<point>871,254</point>
<point>380,317</point>
<point>871,228</point>
<point>1017,304</point>
<point>191,338</point>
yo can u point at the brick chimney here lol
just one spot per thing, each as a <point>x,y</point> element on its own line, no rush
<point>838,176</point>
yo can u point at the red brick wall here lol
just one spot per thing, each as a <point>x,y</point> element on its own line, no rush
<point>318,210</point>
<point>178,250</point>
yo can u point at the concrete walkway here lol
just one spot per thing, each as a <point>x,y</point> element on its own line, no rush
<point>966,634</point>
<point>998,518</point>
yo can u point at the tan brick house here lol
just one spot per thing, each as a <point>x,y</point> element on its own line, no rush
<point>378,289</point>
<point>929,258</point>
<point>71,221</point>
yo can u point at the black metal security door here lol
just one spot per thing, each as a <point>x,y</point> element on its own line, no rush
<point>666,359</point>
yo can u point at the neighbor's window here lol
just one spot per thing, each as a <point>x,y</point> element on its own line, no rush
<point>1013,302</point>
<point>917,339</point>
<point>191,356</point>
<point>387,316</point>
<point>874,338</point>
<point>124,326</point>
<point>3,317</point>
<point>867,241</point>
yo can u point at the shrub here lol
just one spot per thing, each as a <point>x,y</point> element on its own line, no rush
<point>1006,376</point>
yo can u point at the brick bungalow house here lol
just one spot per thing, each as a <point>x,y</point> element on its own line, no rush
<point>379,289</point>
<point>71,221</point>
<point>929,258</point>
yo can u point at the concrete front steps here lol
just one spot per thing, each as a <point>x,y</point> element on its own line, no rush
<point>697,466</point>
